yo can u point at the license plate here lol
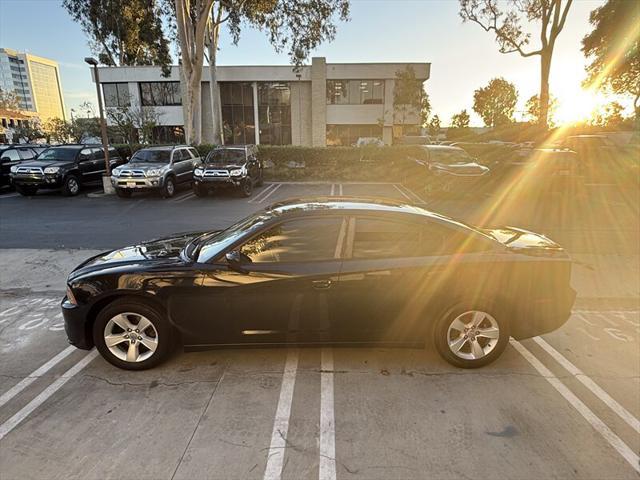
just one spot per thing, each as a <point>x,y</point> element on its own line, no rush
<point>131,184</point>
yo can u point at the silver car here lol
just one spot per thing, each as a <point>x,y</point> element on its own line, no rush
<point>156,168</point>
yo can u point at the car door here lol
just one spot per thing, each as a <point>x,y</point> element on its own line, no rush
<point>284,291</point>
<point>182,165</point>
<point>389,273</point>
<point>86,164</point>
<point>8,158</point>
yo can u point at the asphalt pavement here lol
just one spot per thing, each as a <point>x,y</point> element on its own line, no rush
<point>564,405</point>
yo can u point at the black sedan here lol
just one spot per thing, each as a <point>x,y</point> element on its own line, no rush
<point>340,271</point>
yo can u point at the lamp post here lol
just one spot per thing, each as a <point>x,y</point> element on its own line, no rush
<point>106,178</point>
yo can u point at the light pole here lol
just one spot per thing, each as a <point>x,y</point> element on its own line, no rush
<point>106,178</point>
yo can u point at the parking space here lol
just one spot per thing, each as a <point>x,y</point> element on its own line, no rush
<point>565,405</point>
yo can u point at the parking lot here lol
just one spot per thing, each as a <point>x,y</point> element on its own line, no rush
<point>565,405</point>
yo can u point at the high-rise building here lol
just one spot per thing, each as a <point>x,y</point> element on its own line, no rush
<point>34,80</point>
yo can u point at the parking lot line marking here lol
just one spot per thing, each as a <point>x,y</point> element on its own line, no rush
<point>333,189</point>
<point>10,195</point>
<point>401,192</point>
<point>275,457</point>
<point>622,412</point>
<point>256,199</point>
<point>33,376</point>
<point>10,424</point>
<point>417,198</point>
<point>613,440</point>
<point>184,197</point>
<point>340,189</point>
<point>327,462</point>
<point>277,186</point>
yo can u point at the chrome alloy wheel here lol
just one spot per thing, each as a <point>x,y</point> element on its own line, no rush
<point>473,335</point>
<point>131,337</point>
<point>73,186</point>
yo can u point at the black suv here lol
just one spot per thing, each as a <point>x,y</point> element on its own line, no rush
<point>11,155</point>
<point>65,167</point>
<point>235,166</point>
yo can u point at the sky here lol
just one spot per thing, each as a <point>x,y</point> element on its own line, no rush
<point>463,57</point>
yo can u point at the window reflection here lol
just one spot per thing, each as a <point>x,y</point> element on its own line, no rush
<point>274,110</point>
<point>160,94</point>
<point>347,135</point>
<point>238,123</point>
<point>355,92</point>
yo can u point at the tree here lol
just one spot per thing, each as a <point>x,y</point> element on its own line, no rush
<point>532,109</point>
<point>295,25</point>
<point>123,32</point>
<point>9,101</point>
<point>613,47</point>
<point>434,126</point>
<point>409,98</point>
<point>28,131</point>
<point>135,123</point>
<point>56,130</point>
<point>609,115</point>
<point>496,102</point>
<point>507,27</point>
<point>460,120</point>
<point>82,128</point>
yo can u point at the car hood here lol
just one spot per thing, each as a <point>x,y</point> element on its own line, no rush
<point>223,166</point>
<point>468,168</point>
<point>44,163</point>
<point>163,250</point>
<point>520,239</point>
<point>144,165</point>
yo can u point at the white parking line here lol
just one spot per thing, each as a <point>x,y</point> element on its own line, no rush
<point>10,424</point>
<point>185,197</point>
<point>417,198</point>
<point>256,199</point>
<point>275,457</point>
<point>613,440</point>
<point>333,189</point>
<point>33,376</point>
<point>271,192</point>
<point>590,384</point>
<point>340,189</point>
<point>10,195</point>
<point>401,192</point>
<point>327,462</point>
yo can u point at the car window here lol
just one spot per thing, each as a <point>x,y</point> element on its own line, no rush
<point>180,155</point>
<point>11,154</point>
<point>301,240</point>
<point>378,238</point>
<point>85,154</point>
<point>27,154</point>
<point>449,157</point>
<point>97,154</point>
<point>113,153</point>
<point>194,152</point>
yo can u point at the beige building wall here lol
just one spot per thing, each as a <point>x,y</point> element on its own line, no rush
<point>46,88</point>
<point>301,113</point>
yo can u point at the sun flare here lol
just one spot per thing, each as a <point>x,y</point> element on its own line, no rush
<point>577,107</point>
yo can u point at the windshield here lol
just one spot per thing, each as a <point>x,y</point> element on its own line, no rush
<point>449,157</point>
<point>60,154</point>
<point>224,156</point>
<point>151,156</point>
<point>206,246</point>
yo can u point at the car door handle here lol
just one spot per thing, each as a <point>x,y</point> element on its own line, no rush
<point>321,284</point>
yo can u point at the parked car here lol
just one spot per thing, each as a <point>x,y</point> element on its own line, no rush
<point>64,167</point>
<point>452,170</point>
<point>233,166</point>
<point>11,155</point>
<point>415,140</point>
<point>326,270</point>
<point>369,142</point>
<point>159,169</point>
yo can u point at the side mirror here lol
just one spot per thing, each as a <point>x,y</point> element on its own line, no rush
<point>237,260</point>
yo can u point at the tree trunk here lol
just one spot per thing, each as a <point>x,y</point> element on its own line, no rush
<point>215,95</point>
<point>545,69</point>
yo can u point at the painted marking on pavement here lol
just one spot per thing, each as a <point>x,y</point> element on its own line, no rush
<point>10,195</point>
<point>264,192</point>
<point>13,422</point>
<point>340,189</point>
<point>613,440</point>
<point>622,412</point>
<point>333,189</point>
<point>401,192</point>
<point>33,376</point>
<point>271,192</point>
<point>186,197</point>
<point>327,462</point>
<point>275,457</point>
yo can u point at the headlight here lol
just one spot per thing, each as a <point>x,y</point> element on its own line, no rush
<point>115,172</point>
<point>154,172</point>
<point>236,173</point>
<point>14,169</point>
<point>198,172</point>
<point>51,169</point>
<point>72,300</point>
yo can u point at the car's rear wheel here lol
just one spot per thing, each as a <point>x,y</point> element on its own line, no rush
<point>123,193</point>
<point>26,190</point>
<point>471,337</point>
<point>71,186</point>
<point>169,188</point>
<point>132,334</point>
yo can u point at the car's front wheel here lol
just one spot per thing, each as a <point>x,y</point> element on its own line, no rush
<point>123,193</point>
<point>471,336</point>
<point>132,334</point>
<point>71,186</point>
<point>169,188</point>
<point>246,188</point>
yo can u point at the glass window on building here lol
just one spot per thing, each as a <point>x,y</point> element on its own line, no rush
<point>355,92</point>
<point>274,110</point>
<point>238,124</point>
<point>160,94</point>
<point>348,135</point>
<point>116,94</point>
<point>168,134</point>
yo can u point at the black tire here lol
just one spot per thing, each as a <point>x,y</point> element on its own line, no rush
<point>27,190</point>
<point>464,312</point>
<point>199,190</point>
<point>160,327</point>
<point>246,188</point>
<point>71,186</point>
<point>169,188</point>
<point>260,181</point>
<point>123,193</point>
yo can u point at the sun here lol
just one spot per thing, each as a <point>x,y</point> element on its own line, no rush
<point>578,106</point>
